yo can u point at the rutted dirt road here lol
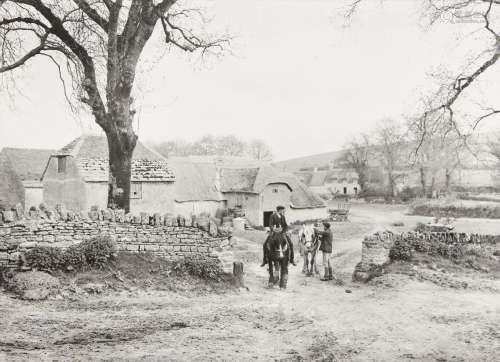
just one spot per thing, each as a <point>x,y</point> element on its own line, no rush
<point>395,319</point>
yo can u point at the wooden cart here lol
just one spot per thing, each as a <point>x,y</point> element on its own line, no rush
<point>341,213</point>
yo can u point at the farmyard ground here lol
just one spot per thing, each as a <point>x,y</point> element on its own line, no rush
<point>394,318</point>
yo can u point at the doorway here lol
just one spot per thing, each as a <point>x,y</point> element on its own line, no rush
<point>345,190</point>
<point>267,218</point>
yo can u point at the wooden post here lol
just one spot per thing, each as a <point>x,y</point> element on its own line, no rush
<point>238,273</point>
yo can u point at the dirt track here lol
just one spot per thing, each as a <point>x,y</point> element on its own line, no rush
<point>396,319</point>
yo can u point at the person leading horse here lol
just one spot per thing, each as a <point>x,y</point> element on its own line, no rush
<point>278,225</point>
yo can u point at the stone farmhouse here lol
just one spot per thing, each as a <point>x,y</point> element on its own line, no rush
<point>21,170</point>
<point>77,176</point>
<point>234,182</point>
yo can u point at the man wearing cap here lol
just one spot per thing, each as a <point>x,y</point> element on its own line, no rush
<point>278,224</point>
<point>326,237</point>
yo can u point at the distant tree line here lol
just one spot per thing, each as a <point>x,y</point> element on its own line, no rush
<point>209,145</point>
<point>393,153</point>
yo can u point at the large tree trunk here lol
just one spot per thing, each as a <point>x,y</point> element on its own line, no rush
<point>121,143</point>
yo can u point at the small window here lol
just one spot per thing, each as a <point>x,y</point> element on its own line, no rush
<point>61,164</point>
<point>275,191</point>
<point>136,190</point>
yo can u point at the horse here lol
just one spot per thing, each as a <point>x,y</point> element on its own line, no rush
<point>278,259</point>
<point>308,245</point>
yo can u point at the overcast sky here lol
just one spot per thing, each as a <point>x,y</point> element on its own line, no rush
<point>297,78</point>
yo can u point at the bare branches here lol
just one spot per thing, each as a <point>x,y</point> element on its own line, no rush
<point>183,37</point>
<point>33,52</point>
<point>92,14</point>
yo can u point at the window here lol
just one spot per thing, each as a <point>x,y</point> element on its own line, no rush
<point>61,164</point>
<point>275,191</point>
<point>136,190</point>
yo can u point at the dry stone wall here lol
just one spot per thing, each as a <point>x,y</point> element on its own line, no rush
<point>376,248</point>
<point>162,235</point>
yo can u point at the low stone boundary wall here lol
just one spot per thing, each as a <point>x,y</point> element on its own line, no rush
<point>164,236</point>
<point>376,248</point>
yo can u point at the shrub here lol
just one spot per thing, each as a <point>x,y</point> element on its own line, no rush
<point>407,194</point>
<point>205,268</point>
<point>45,258</point>
<point>401,250</point>
<point>94,253</point>
<point>98,251</point>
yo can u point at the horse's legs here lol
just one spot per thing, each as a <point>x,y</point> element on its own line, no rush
<point>276,272</point>
<point>309,270</point>
<point>270,283</point>
<point>284,273</point>
<point>304,268</point>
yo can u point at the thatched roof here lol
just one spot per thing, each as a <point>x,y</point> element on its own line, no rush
<point>320,178</point>
<point>195,181</point>
<point>254,180</point>
<point>28,163</point>
<point>91,155</point>
<point>11,187</point>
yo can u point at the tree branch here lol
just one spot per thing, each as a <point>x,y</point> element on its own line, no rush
<point>92,14</point>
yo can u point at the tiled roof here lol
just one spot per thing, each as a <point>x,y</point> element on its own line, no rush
<point>91,155</point>
<point>28,163</point>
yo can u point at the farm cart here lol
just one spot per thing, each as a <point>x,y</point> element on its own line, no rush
<point>340,213</point>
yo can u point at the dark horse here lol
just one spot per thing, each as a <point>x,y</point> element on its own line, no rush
<point>278,259</point>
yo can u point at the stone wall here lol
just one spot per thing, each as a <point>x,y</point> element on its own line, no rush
<point>164,236</point>
<point>376,248</point>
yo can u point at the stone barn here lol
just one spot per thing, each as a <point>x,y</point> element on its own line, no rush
<point>259,190</point>
<point>77,177</point>
<point>27,165</point>
<point>197,188</point>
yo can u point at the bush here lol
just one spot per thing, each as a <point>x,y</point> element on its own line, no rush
<point>204,268</point>
<point>94,253</point>
<point>45,258</point>
<point>98,251</point>
<point>407,194</point>
<point>456,211</point>
<point>401,250</point>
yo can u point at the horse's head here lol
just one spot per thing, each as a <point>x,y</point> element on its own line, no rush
<point>307,235</point>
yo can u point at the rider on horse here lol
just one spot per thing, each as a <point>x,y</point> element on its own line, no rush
<point>278,224</point>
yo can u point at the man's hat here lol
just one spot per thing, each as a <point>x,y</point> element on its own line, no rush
<point>326,224</point>
<point>280,208</point>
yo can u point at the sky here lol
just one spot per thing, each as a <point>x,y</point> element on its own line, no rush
<point>297,76</point>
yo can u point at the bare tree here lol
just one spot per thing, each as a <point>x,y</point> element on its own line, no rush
<point>259,150</point>
<point>391,141</point>
<point>98,43</point>
<point>494,147</point>
<point>357,156</point>
<point>442,109</point>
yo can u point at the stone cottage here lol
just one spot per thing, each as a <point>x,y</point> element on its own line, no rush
<point>259,190</point>
<point>21,170</point>
<point>334,181</point>
<point>207,183</point>
<point>77,176</point>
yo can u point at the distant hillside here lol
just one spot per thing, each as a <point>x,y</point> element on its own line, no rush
<point>479,158</point>
<point>319,160</point>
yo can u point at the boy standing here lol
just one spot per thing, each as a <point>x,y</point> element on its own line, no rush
<point>326,237</point>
